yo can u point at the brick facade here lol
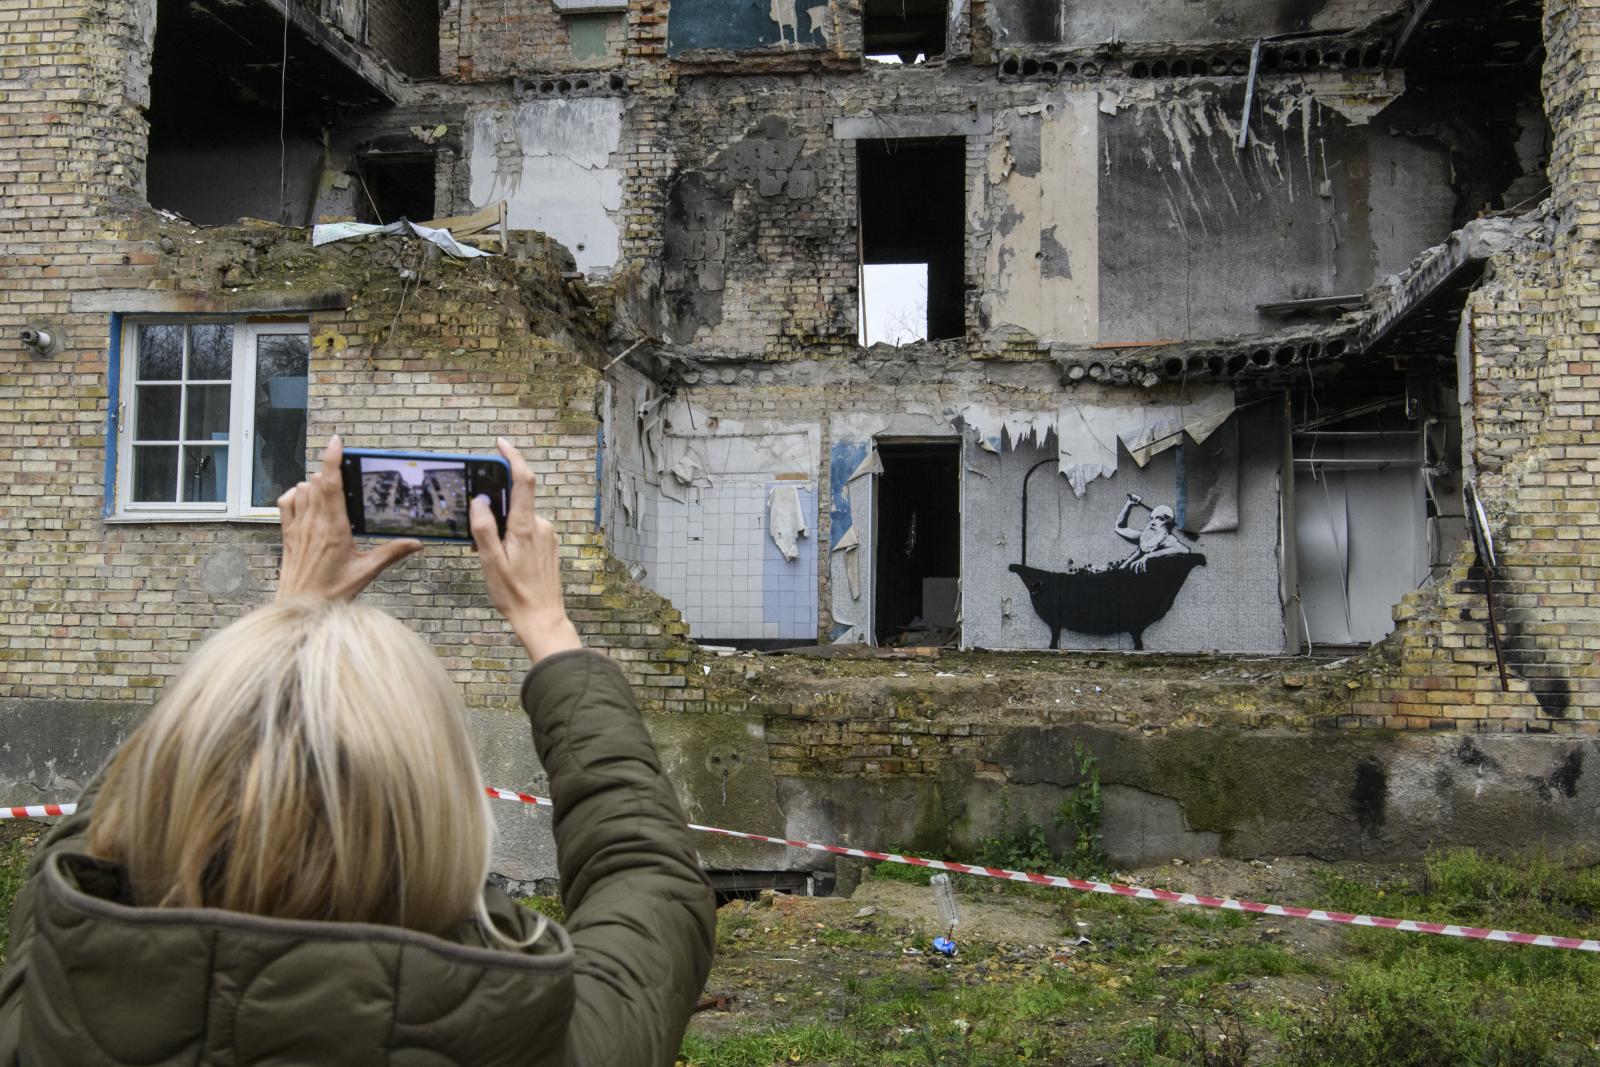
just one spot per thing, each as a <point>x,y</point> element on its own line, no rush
<point>459,354</point>
<point>1536,395</point>
<point>447,355</point>
<point>481,42</point>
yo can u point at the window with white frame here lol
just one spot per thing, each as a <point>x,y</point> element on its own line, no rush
<point>211,417</point>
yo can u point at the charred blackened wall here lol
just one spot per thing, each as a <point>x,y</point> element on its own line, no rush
<point>1326,199</point>
<point>1092,214</point>
<point>1060,22</point>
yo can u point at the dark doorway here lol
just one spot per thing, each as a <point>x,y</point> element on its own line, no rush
<point>912,210</point>
<point>918,557</point>
<point>907,30</point>
<point>395,187</point>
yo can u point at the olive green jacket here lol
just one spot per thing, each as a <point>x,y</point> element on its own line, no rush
<point>92,980</point>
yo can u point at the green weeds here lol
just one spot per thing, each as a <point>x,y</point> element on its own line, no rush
<point>1409,1000</point>
<point>812,1043</point>
<point>550,907</point>
<point>15,850</point>
<point>1082,812</point>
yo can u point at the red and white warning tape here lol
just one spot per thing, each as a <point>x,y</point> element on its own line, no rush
<point>37,811</point>
<point>1414,926</point>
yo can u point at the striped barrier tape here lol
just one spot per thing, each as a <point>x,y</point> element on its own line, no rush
<point>37,811</point>
<point>1413,926</point>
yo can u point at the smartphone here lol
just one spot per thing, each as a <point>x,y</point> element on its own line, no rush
<point>421,494</point>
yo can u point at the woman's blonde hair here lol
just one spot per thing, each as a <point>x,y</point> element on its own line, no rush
<point>311,761</point>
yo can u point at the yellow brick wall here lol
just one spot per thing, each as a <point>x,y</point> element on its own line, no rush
<point>444,360</point>
<point>1536,372</point>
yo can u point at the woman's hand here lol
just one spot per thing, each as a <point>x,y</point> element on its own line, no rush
<point>523,570</point>
<point>320,557</point>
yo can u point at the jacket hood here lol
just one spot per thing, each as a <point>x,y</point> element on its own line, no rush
<point>113,984</point>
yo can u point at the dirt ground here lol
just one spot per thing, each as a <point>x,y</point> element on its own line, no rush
<point>1059,977</point>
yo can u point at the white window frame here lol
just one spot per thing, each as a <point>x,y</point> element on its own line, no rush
<point>236,506</point>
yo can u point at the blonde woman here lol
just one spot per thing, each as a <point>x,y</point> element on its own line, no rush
<point>285,864</point>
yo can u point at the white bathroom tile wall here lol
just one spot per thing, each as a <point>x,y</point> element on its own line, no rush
<point>714,561</point>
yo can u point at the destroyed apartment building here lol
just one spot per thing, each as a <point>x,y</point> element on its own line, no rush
<point>931,338</point>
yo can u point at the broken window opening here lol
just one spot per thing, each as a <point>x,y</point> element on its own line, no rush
<point>917,564</point>
<point>901,228</point>
<point>904,31</point>
<point>894,303</point>
<point>396,187</point>
<point>214,154</point>
<point>237,106</point>
<point>591,35</point>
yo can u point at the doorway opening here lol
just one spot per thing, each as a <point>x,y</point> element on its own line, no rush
<point>1377,500</point>
<point>917,564</point>
<point>912,209</point>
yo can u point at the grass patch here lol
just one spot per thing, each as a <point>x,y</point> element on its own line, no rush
<point>15,850</point>
<point>798,1044</point>
<point>1232,962</point>
<point>1165,986</point>
<point>1403,999</point>
<point>901,872</point>
<point>549,907</point>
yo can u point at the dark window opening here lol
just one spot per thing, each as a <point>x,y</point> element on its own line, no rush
<point>912,210</point>
<point>396,187</point>
<point>917,572</point>
<point>214,153</point>
<point>904,31</point>
<point>238,102</point>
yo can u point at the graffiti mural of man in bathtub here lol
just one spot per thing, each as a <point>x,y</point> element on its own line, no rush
<point>1125,596</point>
<point>1158,537</point>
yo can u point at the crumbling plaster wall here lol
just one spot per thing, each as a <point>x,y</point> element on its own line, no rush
<point>814,425</point>
<point>689,497</point>
<point>552,162</point>
<point>1324,201</point>
<point>1230,604</point>
<point>1084,205</point>
<point>1039,231</point>
<point>1070,23</point>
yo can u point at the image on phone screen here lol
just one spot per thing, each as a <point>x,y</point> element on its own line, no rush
<point>421,494</point>
<point>415,497</point>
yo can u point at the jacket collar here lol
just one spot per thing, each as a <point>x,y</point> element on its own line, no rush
<point>99,889</point>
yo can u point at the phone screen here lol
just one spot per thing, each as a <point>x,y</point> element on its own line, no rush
<point>419,495</point>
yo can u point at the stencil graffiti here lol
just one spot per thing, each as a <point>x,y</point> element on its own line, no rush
<point>1158,538</point>
<point>1125,596</point>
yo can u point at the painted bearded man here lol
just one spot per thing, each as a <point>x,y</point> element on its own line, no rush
<point>1158,537</point>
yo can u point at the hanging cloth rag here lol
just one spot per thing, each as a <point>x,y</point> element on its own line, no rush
<point>786,523</point>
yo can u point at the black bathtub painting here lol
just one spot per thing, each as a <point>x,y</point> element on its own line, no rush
<point>1123,597</point>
